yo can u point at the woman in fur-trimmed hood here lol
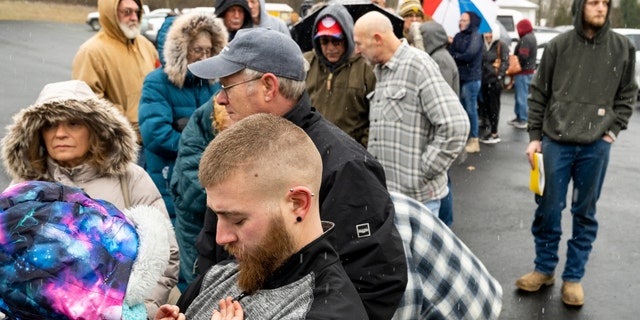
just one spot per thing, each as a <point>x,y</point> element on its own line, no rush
<point>71,136</point>
<point>172,93</point>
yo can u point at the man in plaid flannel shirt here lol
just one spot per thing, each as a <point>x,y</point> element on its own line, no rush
<point>446,280</point>
<point>417,124</point>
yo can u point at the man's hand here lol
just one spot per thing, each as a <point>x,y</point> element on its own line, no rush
<point>229,310</point>
<point>534,146</point>
<point>169,312</point>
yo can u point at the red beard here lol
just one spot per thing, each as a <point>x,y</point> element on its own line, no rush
<point>256,266</point>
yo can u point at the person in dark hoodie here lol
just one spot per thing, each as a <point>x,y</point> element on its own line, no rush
<point>575,115</point>
<point>339,80</point>
<point>235,14</point>
<point>526,51</point>
<point>466,49</point>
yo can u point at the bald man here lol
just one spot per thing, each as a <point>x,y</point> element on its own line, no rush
<point>417,124</point>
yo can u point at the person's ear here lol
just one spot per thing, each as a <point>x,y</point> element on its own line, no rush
<point>301,199</point>
<point>270,86</point>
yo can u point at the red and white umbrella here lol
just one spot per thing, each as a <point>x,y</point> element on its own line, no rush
<point>447,13</point>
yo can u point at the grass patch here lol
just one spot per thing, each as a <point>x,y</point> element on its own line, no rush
<point>43,11</point>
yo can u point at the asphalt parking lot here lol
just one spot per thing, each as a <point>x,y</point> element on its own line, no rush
<point>493,206</point>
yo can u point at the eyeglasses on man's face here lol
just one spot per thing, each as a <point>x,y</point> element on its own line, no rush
<point>225,89</point>
<point>200,51</point>
<point>128,12</point>
<point>334,41</point>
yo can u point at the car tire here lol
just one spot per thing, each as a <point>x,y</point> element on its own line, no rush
<point>95,25</point>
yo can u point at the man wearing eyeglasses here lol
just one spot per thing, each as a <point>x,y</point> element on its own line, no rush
<point>115,61</point>
<point>263,71</point>
<point>338,80</point>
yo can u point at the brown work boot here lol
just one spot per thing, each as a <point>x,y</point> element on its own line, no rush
<point>473,145</point>
<point>572,293</point>
<point>532,281</point>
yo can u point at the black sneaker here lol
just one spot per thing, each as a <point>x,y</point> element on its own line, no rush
<point>513,122</point>
<point>489,139</point>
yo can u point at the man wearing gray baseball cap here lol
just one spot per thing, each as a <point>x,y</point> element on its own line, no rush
<point>264,71</point>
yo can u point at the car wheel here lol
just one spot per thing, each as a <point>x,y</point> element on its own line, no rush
<point>95,25</point>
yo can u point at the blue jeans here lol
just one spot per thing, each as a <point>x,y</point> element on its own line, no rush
<point>434,206</point>
<point>469,91</point>
<point>446,205</point>
<point>521,85</point>
<point>586,165</point>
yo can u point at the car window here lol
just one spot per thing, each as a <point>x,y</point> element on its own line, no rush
<point>635,39</point>
<point>507,22</point>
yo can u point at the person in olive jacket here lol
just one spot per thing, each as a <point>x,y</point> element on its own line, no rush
<point>339,80</point>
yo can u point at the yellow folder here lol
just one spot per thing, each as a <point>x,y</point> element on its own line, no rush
<point>536,178</point>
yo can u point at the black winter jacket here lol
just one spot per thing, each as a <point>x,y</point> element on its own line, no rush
<point>466,49</point>
<point>311,284</point>
<point>489,73</point>
<point>354,196</point>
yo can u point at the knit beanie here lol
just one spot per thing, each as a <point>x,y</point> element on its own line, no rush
<point>410,6</point>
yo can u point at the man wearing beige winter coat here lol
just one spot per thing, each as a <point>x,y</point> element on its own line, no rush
<point>115,61</point>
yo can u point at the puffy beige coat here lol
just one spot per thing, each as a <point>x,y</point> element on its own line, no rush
<point>25,158</point>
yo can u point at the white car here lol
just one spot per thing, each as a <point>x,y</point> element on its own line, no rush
<point>543,35</point>
<point>634,36</point>
<point>151,23</point>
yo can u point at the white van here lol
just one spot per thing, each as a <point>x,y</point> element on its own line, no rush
<point>509,18</point>
<point>279,10</point>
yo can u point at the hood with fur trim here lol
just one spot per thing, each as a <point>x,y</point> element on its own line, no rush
<point>23,149</point>
<point>184,29</point>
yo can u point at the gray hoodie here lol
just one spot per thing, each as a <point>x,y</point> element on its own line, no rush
<point>435,41</point>
<point>269,21</point>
